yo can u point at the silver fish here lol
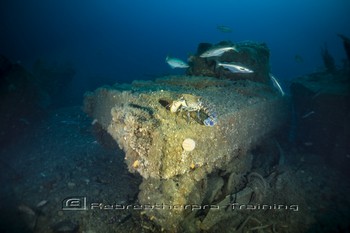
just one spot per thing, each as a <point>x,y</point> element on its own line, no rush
<point>308,114</point>
<point>223,28</point>
<point>234,68</point>
<point>41,204</point>
<point>276,84</point>
<point>218,51</point>
<point>176,63</point>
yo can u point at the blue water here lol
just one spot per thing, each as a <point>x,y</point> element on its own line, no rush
<point>119,41</point>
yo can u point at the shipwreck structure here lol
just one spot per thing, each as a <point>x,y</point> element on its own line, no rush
<point>321,110</point>
<point>192,172</point>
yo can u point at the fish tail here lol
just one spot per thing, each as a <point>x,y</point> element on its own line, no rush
<point>217,63</point>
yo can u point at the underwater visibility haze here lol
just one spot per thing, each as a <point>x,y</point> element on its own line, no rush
<point>122,41</point>
<point>174,116</point>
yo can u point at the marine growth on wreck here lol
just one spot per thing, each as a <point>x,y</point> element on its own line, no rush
<point>190,137</point>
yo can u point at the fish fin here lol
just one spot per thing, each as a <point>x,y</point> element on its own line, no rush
<point>218,64</point>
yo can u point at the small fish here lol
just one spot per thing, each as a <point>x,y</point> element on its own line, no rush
<point>41,204</point>
<point>234,68</point>
<point>223,28</point>
<point>308,143</point>
<point>298,59</point>
<point>306,115</point>
<point>215,52</point>
<point>276,84</point>
<point>318,93</point>
<point>176,63</point>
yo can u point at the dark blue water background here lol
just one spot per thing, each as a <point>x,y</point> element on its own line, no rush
<point>112,41</point>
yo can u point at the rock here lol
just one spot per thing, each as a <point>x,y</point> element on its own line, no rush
<point>140,121</point>
<point>19,96</point>
<point>322,113</point>
<point>202,47</point>
<point>5,66</point>
<point>65,226</point>
<point>254,56</point>
<point>28,215</point>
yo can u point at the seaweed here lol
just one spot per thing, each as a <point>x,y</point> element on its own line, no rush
<point>328,60</point>
<point>346,43</point>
